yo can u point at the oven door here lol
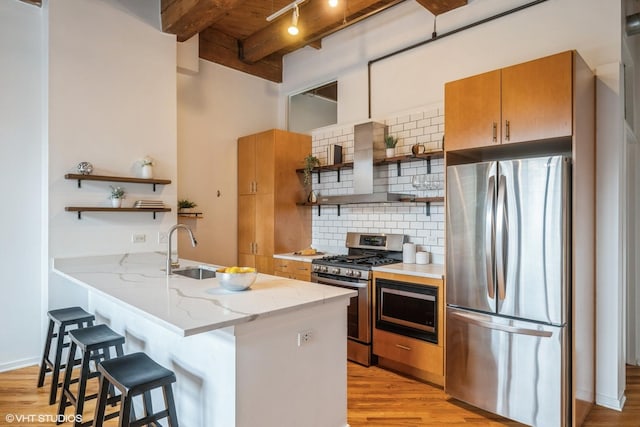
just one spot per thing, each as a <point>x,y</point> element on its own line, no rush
<point>358,312</point>
<point>407,309</point>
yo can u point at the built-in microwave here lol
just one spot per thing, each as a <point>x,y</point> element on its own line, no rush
<point>407,309</point>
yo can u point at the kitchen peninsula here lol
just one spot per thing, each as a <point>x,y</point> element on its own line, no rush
<point>239,357</point>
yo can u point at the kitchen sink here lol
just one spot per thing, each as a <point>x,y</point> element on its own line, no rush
<point>196,272</point>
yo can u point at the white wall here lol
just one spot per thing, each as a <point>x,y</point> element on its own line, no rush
<point>112,101</point>
<point>22,166</point>
<point>215,107</point>
<point>417,77</point>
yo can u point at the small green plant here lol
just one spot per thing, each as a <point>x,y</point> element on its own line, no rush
<point>390,141</point>
<point>117,192</point>
<point>310,162</point>
<point>186,204</point>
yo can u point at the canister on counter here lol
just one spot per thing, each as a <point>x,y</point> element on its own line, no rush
<point>422,257</point>
<point>409,253</point>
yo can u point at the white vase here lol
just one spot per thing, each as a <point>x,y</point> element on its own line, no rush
<point>391,152</point>
<point>147,171</point>
<point>116,203</point>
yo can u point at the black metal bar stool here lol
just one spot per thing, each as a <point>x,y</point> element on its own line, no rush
<point>135,374</point>
<point>63,318</point>
<point>95,344</point>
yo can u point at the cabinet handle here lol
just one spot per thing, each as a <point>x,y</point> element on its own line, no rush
<point>507,126</point>
<point>255,187</point>
<point>495,132</point>
<point>404,347</point>
<point>255,248</point>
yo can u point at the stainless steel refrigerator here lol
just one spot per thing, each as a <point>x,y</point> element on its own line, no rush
<point>508,288</point>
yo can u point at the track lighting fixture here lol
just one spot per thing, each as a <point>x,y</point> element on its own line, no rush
<point>333,3</point>
<point>285,9</point>
<point>293,28</point>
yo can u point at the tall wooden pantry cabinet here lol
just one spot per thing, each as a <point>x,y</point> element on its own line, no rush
<point>269,220</point>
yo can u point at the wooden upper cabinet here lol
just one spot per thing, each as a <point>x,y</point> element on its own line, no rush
<point>246,164</point>
<point>525,102</point>
<point>472,112</point>
<point>255,163</point>
<point>537,99</point>
<point>265,162</point>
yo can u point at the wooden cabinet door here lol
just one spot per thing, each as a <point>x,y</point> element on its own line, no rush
<point>246,226</point>
<point>247,260</point>
<point>264,162</point>
<point>537,99</point>
<point>246,164</point>
<point>264,217</point>
<point>472,112</point>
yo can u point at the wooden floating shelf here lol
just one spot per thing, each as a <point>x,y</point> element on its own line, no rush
<point>426,200</point>
<point>81,209</point>
<point>152,181</point>
<point>397,160</point>
<point>196,215</point>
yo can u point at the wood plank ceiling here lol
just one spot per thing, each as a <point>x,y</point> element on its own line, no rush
<point>236,33</point>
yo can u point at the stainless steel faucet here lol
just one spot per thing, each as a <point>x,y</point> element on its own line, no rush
<point>170,263</point>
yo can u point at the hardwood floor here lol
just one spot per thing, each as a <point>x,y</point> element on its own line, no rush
<point>376,397</point>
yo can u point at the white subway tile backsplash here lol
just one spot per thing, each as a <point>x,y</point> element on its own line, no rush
<point>418,127</point>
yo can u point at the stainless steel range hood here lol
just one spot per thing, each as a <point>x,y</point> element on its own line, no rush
<point>368,147</point>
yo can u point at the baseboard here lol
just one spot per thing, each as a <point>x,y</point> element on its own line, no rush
<point>17,364</point>
<point>608,402</point>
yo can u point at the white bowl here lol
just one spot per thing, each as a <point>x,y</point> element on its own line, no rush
<point>237,281</point>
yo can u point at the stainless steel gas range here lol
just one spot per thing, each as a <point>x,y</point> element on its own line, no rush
<point>353,271</point>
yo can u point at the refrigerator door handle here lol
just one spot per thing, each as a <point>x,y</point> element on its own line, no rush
<point>490,237</point>
<point>501,235</point>
<point>479,321</point>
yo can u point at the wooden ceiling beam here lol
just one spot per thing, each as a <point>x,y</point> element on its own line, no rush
<point>186,18</point>
<point>316,20</point>
<point>438,7</point>
<point>215,46</point>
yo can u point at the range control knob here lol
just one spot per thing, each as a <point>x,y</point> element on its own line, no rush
<point>324,269</point>
<point>348,273</point>
<point>356,273</point>
<point>335,270</point>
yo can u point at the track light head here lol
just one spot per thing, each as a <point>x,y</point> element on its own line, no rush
<point>293,28</point>
<point>333,3</point>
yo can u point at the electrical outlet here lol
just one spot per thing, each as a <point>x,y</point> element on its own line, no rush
<point>138,238</point>
<point>304,337</point>
<point>162,237</point>
<point>432,240</point>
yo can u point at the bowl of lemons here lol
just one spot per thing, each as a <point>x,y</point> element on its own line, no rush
<point>236,278</point>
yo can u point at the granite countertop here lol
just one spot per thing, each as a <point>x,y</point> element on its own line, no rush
<point>188,306</point>
<point>433,271</point>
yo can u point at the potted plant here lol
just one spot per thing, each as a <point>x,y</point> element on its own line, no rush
<point>146,167</point>
<point>390,142</point>
<point>117,194</point>
<point>310,162</point>
<point>184,205</point>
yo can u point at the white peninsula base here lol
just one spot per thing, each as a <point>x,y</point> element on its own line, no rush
<point>237,356</point>
<point>251,374</point>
